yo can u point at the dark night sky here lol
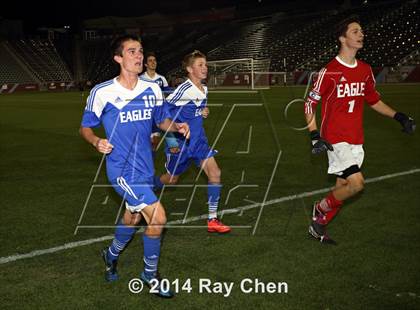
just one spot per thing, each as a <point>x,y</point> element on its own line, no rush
<point>60,12</point>
<point>67,12</point>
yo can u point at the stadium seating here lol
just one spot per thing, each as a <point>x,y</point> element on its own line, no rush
<point>302,41</point>
<point>306,41</point>
<point>42,58</point>
<point>390,30</point>
<point>204,38</point>
<point>11,71</point>
<point>97,61</point>
<point>412,59</point>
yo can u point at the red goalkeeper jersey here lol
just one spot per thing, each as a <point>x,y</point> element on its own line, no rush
<point>343,89</point>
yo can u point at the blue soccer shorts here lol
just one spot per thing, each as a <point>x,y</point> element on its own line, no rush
<point>136,191</point>
<point>178,163</point>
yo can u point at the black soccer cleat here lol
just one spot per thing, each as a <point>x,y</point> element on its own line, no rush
<point>111,273</point>
<point>318,231</point>
<point>156,283</point>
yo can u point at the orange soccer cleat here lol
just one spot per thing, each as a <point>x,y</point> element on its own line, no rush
<point>215,225</point>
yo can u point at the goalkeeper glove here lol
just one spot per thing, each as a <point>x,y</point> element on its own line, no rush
<point>319,145</point>
<point>408,124</point>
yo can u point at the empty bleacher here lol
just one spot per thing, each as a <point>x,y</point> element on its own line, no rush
<point>296,41</point>
<point>413,59</point>
<point>11,71</point>
<point>97,61</point>
<point>307,42</point>
<point>391,33</point>
<point>42,58</point>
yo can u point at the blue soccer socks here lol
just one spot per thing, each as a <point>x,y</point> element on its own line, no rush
<point>213,195</point>
<point>151,255</point>
<point>123,235</point>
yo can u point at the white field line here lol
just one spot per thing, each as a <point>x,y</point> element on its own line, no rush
<point>227,91</point>
<point>71,245</point>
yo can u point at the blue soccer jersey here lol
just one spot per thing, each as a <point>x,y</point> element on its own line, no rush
<point>163,84</point>
<point>127,117</point>
<point>159,79</point>
<point>186,105</point>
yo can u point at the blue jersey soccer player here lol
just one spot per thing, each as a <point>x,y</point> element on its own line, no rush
<point>126,106</point>
<point>151,75</point>
<point>187,104</point>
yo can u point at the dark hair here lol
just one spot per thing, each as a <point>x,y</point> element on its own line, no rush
<point>149,54</point>
<point>117,43</point>
<point>341,27</point>
<point>189,58</point>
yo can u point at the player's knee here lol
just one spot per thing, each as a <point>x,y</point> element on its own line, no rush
<point>173,180</point>
<point>159,216</point>
<point>130,222</point>
<point>215,174</point>
<point>160,219</point>
<point>155,228</point>
<point>356,185</point>
<point>360,185</point>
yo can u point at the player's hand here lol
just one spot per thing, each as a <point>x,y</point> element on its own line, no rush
<point>103,146</point>
<point>183,129</point>
<point>408,124</point>
<point>319,144</point>
<point>205,113</point>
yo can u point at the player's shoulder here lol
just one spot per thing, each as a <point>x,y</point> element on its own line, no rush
<point>99,93</point>
<point>327,69</point>
<point>144,76</point>
<point>182,91</point>
<point>364,65</point>
<point>101,90</point>
<point>333,65</point>
<point>145,80</point>
<point>148,83</point>
<point>102,86</point>
<point>186,84</point>
<point>184,87</point>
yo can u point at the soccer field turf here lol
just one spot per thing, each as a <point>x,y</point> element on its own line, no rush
<point>48,172</point>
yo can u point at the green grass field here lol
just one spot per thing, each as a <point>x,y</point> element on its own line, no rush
<point>47,172</point>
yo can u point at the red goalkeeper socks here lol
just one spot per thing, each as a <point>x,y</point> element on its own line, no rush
<point>329,207</point>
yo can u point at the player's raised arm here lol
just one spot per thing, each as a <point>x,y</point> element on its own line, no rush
<point>319,144</point>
